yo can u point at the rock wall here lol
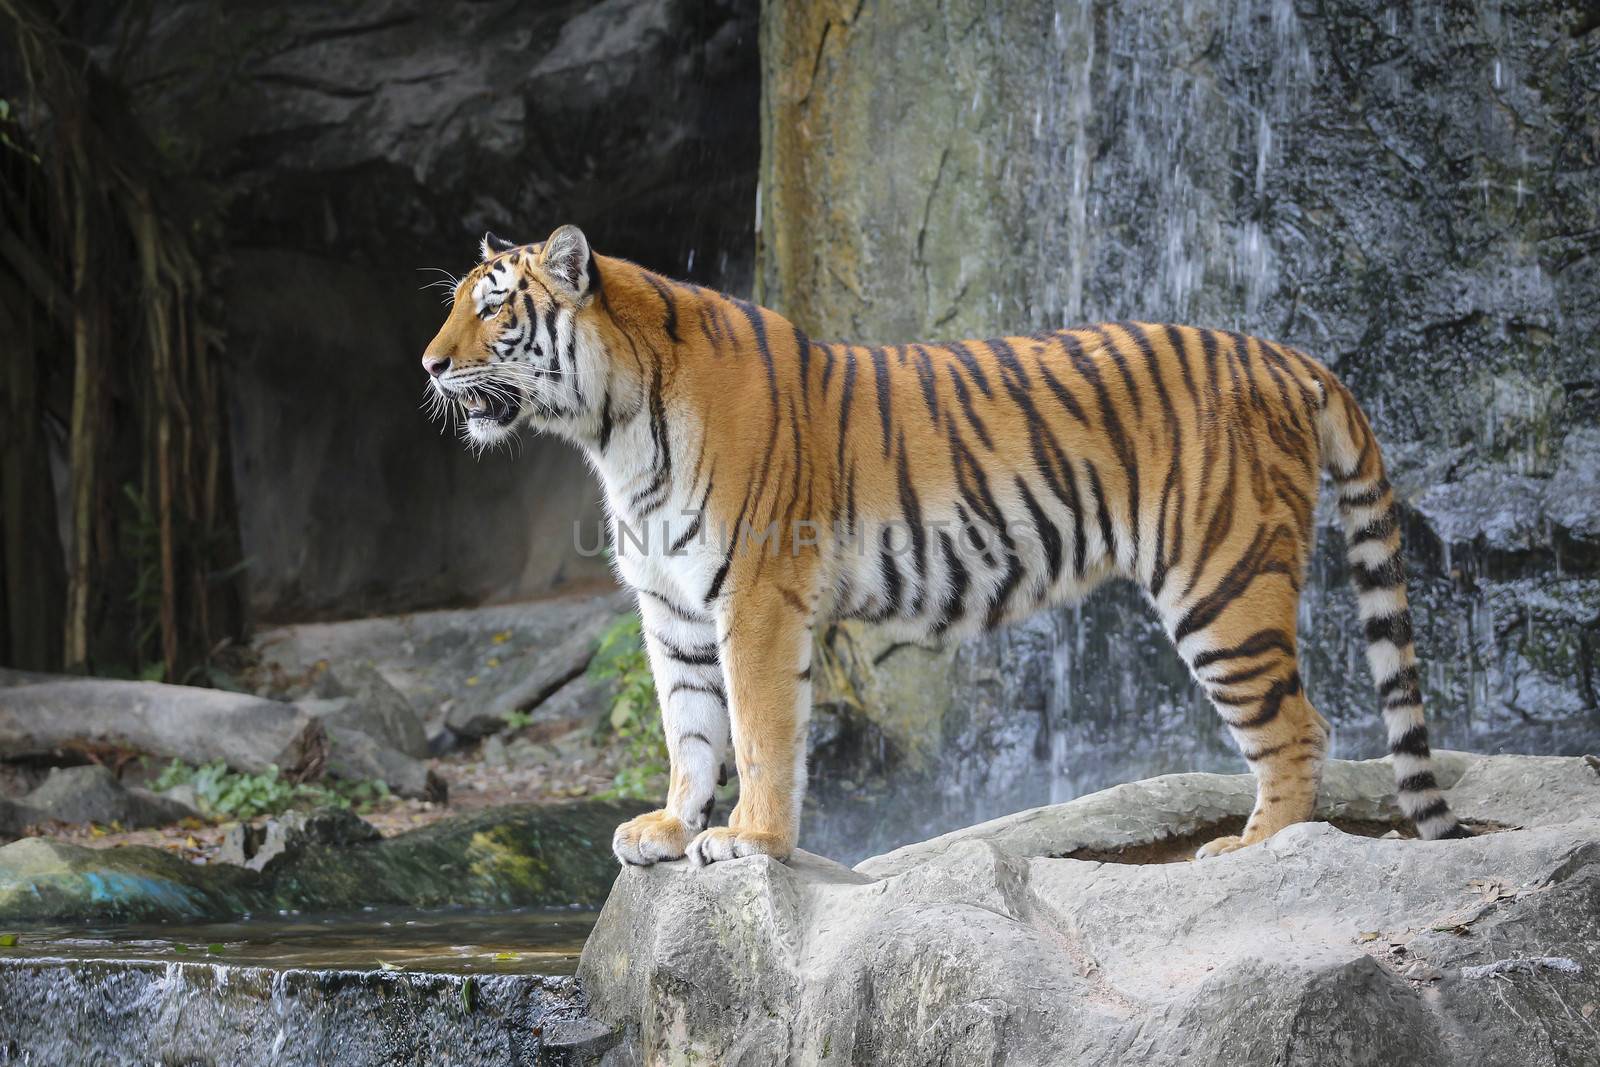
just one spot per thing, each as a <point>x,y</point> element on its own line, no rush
<point>1414,197</point>
<point>352,149</point>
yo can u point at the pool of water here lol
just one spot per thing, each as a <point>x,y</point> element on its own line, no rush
<point>446,941</point>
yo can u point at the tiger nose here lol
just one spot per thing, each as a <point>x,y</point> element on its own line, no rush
<point>436,365</point>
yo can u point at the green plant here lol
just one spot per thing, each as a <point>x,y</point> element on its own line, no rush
<point>634,720</point>
<point>518,720</point>
<point>221,791</point>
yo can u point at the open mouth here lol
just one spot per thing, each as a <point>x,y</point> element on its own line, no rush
<point>497,408</point>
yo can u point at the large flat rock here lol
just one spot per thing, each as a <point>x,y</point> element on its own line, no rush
<point>1040,938</point>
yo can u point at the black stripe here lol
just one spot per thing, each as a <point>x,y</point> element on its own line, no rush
<point>880,370</point>
<point>1111,349</point>
<point>1414,742</point>
<point>699,656</point>
<point>1417,783</point>
<point>1011,368</point>
<point>1393,628</point>
<point>694,687</point>
<point>759,327</point>
<point>1181,351</point>
<point>970,362</point>
<point>727,560</point>
<point>1389,574</point>
<point>1246,569</point>
<point>1256,644</point>
<point>681,612</point>
<point>1113,426</point>
<point>605,422</point>
<point>1366,499</point>
<point>1244,675</point>
<point>1065,398</point>
<point>803,345</point>
<point>1433,811</point>
<point>1406,678</point>
<point>889,572</point>
<point>844,403</point>
<point>1378,529</point>
<point>1102,514</point>
<point>1050,536</point>
<point>1141,341</point>
<point>965,396</point>
<point>911,507</point>
<point>655,494</point>
<point>671,323</point>
<point>1271,703</point>
<point>925,378</point>
<point>694,527</point>
<point>953,605</point>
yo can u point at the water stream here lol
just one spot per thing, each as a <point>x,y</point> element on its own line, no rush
<point>442,941</point>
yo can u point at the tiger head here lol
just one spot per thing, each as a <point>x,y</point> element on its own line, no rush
<point>520,346</point>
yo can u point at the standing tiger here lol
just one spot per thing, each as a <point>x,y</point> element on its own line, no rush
<point>760,483</point>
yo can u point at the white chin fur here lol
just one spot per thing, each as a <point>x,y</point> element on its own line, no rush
<point>487,433</point>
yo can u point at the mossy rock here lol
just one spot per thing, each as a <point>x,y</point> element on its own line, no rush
<point>517,856</point>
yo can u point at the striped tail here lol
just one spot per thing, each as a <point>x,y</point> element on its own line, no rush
<point>1372,543</point>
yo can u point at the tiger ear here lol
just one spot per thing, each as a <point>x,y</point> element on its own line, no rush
<point>565,257</point>
<point>492,245</point>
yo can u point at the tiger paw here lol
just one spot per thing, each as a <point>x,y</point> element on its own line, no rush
<point>654,837</point>
<point>726,843</point>
<point>1218,847</point>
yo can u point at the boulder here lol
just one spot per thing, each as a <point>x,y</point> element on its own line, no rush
<point>373,706</point>
<point>280,839</point>
<point>1079,933</point>
<point>530,682</point>
<point>456,664</point>
<point>45,880</point>
<point>92,794</point>
<point>15,818</point>
<point>581,704</point>
<point>355,755</point>
<point>43,718</point>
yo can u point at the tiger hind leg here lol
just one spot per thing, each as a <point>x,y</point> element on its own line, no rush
<point>1251,675</point>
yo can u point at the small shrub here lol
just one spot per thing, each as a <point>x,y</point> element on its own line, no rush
<point>242,796</point>
<point>635,718</point>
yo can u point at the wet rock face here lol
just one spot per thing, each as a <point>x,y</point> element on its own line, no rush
<point>204,1013</point>
<point>350,149</point>
<point>1063,932</point>
<point>1410,197</point>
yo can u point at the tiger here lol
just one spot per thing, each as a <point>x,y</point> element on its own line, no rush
<point>760,484</point>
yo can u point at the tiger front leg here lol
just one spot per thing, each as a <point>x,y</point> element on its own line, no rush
<point>682,648</point>
<point>766,658</point>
